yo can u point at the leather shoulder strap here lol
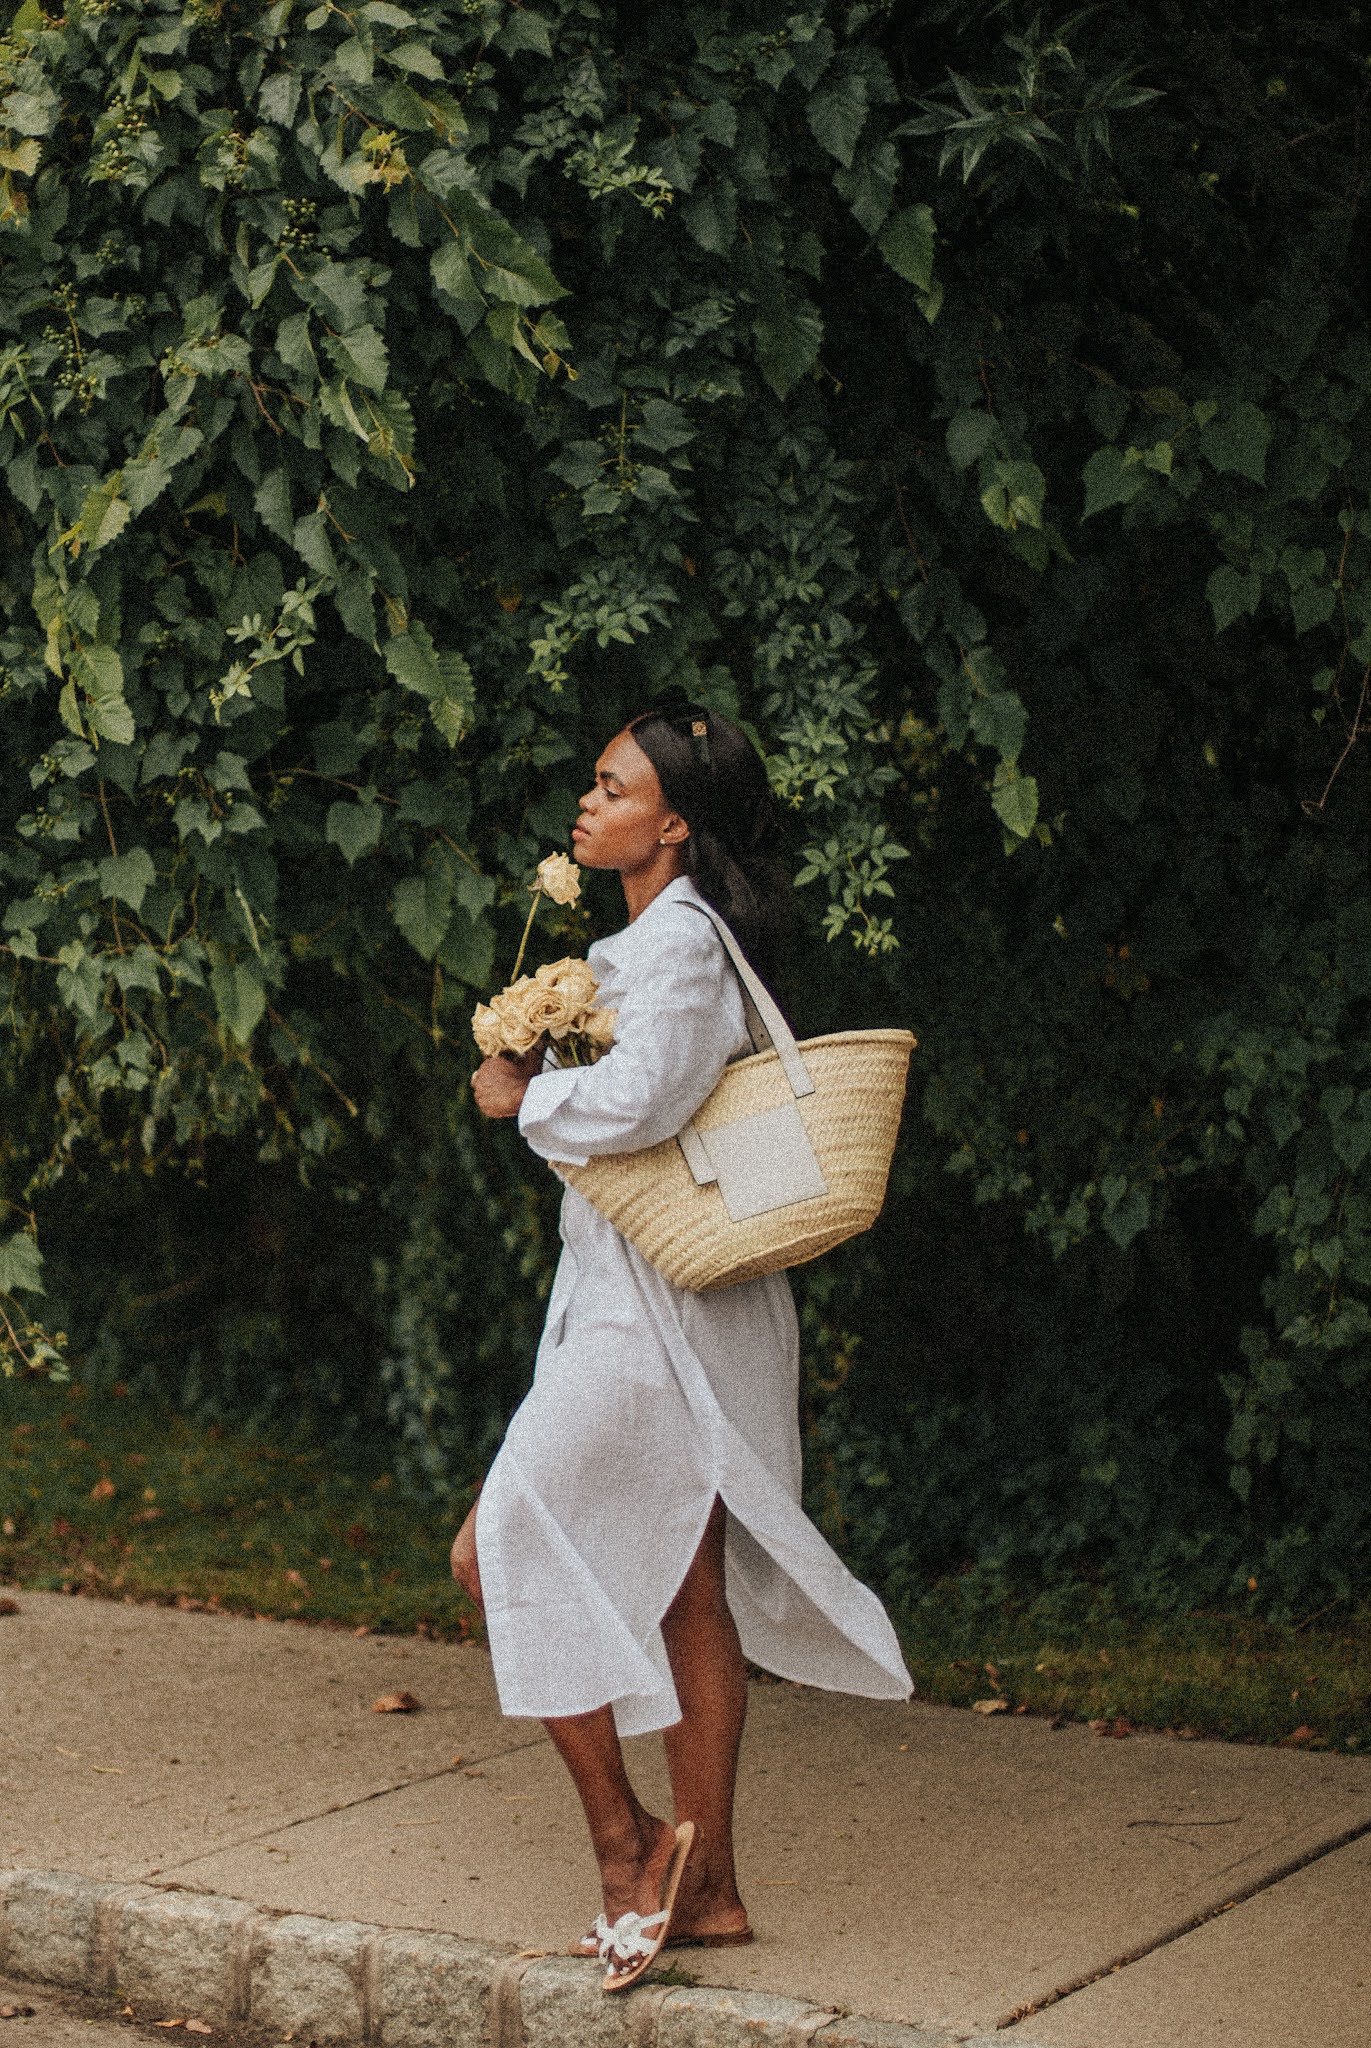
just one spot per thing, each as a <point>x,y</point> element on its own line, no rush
<point>760,1007</point>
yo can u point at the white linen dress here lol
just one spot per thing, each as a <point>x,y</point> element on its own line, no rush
<point>648,1401</point>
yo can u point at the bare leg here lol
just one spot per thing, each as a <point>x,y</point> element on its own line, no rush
<point>702,1749</point>
<point>462,1558</point>
<point>632,1847</point>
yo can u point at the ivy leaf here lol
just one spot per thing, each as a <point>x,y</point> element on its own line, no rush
<point>1110,480</point>
<point>354,829</point>
<point>421,906</point>
<point>128,876</point>
<point>1232,595</point>
<point>239,998</point>
<point>21,1265</point>
<point>969,434</point>
<point>1237,440</point>
<point>468,950</point>
<point>1126,1214</point>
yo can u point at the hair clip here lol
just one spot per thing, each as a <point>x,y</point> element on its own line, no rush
<point>699,740</point>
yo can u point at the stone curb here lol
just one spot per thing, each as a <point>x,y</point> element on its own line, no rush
<point>201,1955</point>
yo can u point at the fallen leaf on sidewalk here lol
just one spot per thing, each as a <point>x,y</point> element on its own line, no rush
<point>198,2027</point>
<point>1118,1727</point>
<point>17,2012</point>
<point>168,2023</point>
<point>395,1703</point>
<point>990,1706</point>
<point>109,1770</point>
<point>8,1606</point>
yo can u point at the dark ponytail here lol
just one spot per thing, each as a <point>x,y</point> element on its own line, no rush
<point>712,775</point>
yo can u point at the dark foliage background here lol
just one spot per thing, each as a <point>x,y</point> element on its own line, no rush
<point>972,398</point>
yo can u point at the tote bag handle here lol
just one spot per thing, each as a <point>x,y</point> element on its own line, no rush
<point>762,1011</point>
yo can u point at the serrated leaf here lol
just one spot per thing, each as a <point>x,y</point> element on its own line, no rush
<point>788,341</point>
<point>452,275</point>
<point>1110,480</point>
<point>837,115</point>
<point>100,673</point>
<point>361,355</point>
<point>663,426</point>
<point>1014,800</point>
<point>354,828</point>
<point>417,58</point>
<point>506,267</point>
<point>21,1265</point>
<point>240,1000</point>
<point>907,243</point>
<point>1000,721</point>
<point>522,29</point>
<point>128,876</point>
<point>271,500</point>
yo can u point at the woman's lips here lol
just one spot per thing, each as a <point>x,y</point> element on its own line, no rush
<point>579,832</point>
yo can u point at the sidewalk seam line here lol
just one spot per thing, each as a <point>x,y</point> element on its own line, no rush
<point>1191,1925</point>
<point>305,1820</point>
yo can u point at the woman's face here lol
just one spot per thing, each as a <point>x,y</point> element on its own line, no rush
<point>625,821</point>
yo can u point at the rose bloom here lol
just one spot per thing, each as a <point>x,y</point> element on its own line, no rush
<point>518,1032</point>
<point>573,981</point>
<point>546,1009</point>
<point>487,1030</point>
<point>598,1027</point>
<point>559,877</point>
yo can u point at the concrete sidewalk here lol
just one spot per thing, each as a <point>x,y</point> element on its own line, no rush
<point>955,1873</point>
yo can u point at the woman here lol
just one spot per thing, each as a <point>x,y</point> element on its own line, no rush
<point>640,1529</point>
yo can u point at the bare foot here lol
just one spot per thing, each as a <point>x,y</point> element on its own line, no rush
<point>707,1903</point>
<point>632,1878</point>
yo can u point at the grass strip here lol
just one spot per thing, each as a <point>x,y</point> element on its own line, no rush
<point>101,1494</point>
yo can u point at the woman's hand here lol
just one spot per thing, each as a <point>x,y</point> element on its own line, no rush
<point>499,1082</point>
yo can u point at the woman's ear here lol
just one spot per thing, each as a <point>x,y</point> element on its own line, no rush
<point>675,830</point>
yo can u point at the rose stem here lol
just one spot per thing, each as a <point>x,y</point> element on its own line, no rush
<point>533,912</point>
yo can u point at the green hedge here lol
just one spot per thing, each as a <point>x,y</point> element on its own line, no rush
<point>974,400</point>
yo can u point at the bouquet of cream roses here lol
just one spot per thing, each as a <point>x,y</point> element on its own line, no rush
<point>556,1002</point>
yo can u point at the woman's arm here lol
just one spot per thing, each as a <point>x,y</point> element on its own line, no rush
<point>680,1022</point>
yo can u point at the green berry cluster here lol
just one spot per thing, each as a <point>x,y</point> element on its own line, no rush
<point>301,224</point>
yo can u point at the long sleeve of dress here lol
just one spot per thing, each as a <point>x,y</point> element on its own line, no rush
<point>680,1021</point>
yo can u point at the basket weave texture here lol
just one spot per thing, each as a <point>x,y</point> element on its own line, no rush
<point>853,1119</point>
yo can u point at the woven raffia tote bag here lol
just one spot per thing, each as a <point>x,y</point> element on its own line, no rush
<point>787,1158</point>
